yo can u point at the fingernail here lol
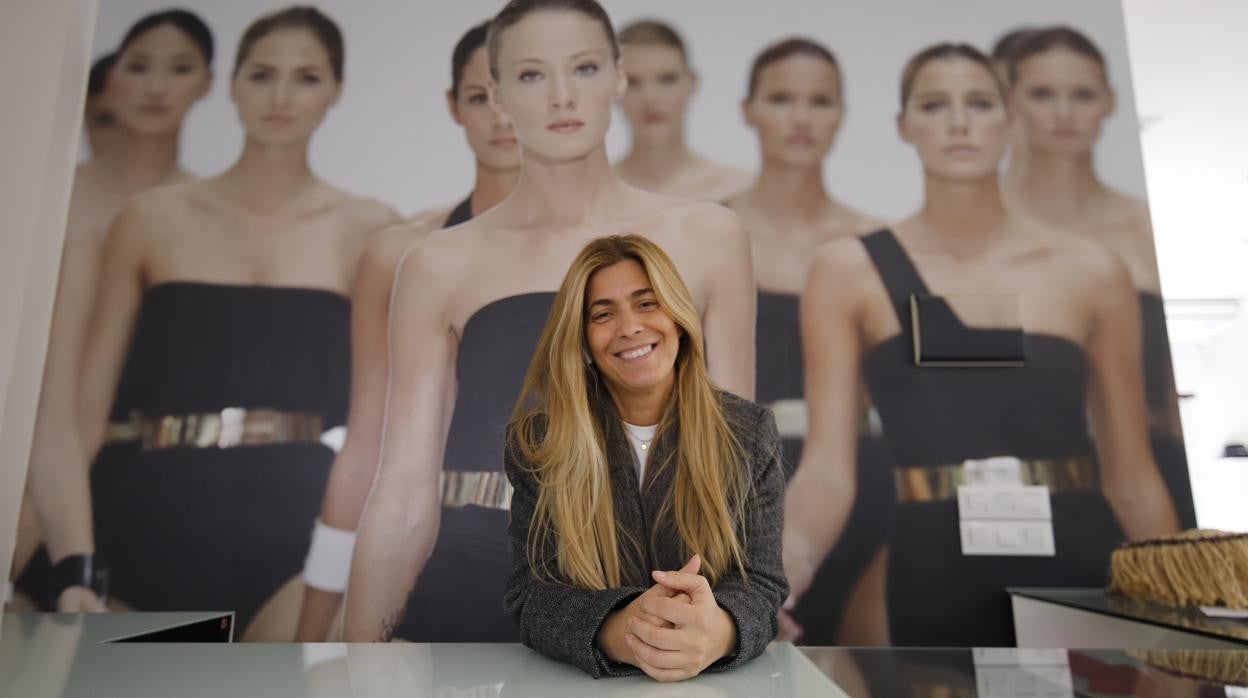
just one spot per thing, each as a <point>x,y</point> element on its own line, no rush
<point>659,573</point>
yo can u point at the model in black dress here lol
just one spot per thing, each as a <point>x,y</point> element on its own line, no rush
<point>1076,317</point>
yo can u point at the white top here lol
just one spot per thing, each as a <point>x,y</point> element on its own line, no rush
<point>641,438</point>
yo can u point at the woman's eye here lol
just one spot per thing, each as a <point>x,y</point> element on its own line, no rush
<point>136,68</point>
<point>823,102</point>
<point>258,77</point>
<point>311,79</point>
<point>779,98</point>
<point>931,106</point>
<point>587,69</point>
<point>648,305</point>
<point>477,99</point>
<point>1085,95</point>
<point>529,75</point>
<point>183,69</point>
<point>599,317</point>
<point>669,79</point>
<point>1040,93</point>
<point>983,104</point>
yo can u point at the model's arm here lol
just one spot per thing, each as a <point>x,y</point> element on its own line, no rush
<point>1130,478</point>
<point>355,466</point>
<point>728,320</point>
<point>399,523</point>
<point>821,492</point>
<point>54,489</point>
<point>63,493</point>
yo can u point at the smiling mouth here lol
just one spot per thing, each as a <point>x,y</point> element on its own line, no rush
<point>638,353</point>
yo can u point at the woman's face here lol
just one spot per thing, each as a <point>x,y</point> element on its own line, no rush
<point>796,110</point>
<point>488,130</point>
<point>557,81</point>
<point>284,87</point>
<point>1061,98</point>
<point>632,340</point>
<point>956,119</point>
<point>659,88</point>
<point>156,80</point>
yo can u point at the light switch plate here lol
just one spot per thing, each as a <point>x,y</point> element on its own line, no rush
<point>998,537</point>
<point>1020,502</point>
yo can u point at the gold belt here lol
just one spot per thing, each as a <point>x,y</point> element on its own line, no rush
<point>936,483</point>
<point>227,428</point>
<point>489,489</point>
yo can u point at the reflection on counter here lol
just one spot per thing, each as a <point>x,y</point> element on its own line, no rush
<point>56,656</point>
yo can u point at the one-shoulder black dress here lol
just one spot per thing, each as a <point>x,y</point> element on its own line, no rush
<point>937,416</point>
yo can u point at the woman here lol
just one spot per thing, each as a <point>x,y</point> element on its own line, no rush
<point>1016,164</point>
<point>617,401</point>
<point>162,68</point>
<point>99,121</point>
<point>498,167</point>
<point>660,83</point>
<point>1080,335</point>
<point>794,103</point>
<point>467,309</point>
<point>1061,94</point>
<point>489,134</point>
<point>220,341</point>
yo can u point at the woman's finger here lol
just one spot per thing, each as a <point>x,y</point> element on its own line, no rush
<point>657,636</point>
<point>662,665</point>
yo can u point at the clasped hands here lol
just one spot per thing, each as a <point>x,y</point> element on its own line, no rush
<point>672,631</point>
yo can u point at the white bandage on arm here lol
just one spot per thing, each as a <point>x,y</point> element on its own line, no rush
<point>329,558</point>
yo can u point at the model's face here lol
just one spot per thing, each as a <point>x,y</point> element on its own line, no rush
<point>796,110</point>
<point>557,80</point>
<point>156,80</point>
<point>284,87</point>
<point>956,119</point>
<point>632,339</point>
<point>1061,98</point>
<point>488,130</point>
<point>659,88</point>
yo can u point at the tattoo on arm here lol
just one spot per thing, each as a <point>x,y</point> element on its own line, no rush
<point>391,624</point>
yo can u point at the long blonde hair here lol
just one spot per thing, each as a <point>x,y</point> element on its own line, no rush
<point>559,431</point>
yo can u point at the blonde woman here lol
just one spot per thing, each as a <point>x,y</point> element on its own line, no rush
<point>628,461</point>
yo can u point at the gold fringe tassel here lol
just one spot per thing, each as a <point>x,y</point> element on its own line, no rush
<point>1200,567</point>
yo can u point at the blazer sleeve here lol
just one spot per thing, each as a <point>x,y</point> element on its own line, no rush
<point>558,620</point>
<point>754,601</point>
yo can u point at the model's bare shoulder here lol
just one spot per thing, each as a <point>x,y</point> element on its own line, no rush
<point>385,247</point>
<point>434,261</point>
<point>434,216</point>
<point>1086,262</point>
<point>845,263</point>
<point>362,215</point>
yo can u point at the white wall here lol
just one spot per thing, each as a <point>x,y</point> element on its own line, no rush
<point>390,136</point>
<point>1188,63</point>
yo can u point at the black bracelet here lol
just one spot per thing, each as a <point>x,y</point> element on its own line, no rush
<point>79,571</point>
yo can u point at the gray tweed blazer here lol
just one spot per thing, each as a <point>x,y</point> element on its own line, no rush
<point>562,621</point>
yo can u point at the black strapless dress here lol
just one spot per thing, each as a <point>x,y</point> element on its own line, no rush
<point>459,596</point>
<point>199,529</point>
<point>933,416</point>
<point>780,376</point>
<point>1159,389</point>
